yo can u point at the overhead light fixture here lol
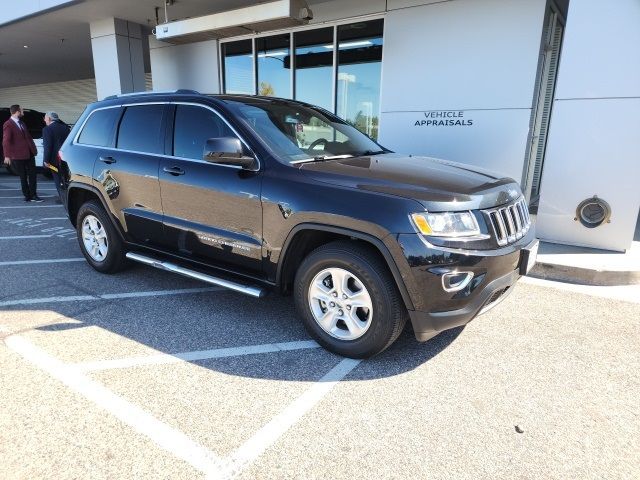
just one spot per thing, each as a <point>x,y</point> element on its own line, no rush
<point>362,43</point>
<point>272,54</point>
<point>25,46</point>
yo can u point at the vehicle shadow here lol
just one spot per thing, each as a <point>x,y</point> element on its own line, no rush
<point>224,320</point>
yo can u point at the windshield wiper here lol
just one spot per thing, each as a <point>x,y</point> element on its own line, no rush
<point>322,158</point>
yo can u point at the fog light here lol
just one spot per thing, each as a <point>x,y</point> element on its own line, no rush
<point>456,281</point>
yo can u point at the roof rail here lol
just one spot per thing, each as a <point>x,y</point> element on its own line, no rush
<point>152,92</point>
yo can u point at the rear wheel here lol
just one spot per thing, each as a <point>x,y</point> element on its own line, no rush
<point>348,300</point>
<point>100,243</point>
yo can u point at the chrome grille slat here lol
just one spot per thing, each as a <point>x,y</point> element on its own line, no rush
<point>511,222</point>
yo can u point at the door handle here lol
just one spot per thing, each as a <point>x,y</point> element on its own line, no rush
<point>175,171</point>
<point>108,160</point>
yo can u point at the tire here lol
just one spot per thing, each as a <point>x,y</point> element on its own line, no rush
<point>364,275</point>
<point>108,255</point>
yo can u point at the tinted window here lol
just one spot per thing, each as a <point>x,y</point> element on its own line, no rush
<point>34,121</point>
<point>140,129</point>
<point>99,128</point>
<point>193,127</point>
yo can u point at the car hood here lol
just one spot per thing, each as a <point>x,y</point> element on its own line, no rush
<point>439,185</point>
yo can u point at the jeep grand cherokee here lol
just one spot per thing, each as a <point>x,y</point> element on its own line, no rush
<point>257,194</point>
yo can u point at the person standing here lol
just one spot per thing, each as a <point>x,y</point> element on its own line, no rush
<point>20,152</point>
<point>53,136</point>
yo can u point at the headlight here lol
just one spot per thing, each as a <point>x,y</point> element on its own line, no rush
<point>446,224</point>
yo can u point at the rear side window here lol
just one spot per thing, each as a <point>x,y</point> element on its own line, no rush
<point>34,122</point>
<point>140,129</point>
<point>193,127</point>
<point>99,128</point>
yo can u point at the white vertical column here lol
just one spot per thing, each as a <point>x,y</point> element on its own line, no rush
<point>594,144</point>
<point>118,59</point>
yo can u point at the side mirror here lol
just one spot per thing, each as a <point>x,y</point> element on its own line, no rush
<point>227,151</point>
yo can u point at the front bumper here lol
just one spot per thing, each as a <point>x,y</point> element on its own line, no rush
<point>494,274</point>
<point>427,325</point>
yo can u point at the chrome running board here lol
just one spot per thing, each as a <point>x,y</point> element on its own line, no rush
<point>172,267</point>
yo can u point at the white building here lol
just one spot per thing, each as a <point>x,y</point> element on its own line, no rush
<point>544,91</point>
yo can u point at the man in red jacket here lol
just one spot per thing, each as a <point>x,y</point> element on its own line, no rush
<point>20,152</point>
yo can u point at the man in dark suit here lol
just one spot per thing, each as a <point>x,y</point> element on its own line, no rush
<point>53,136</point>
<point>20,152</point>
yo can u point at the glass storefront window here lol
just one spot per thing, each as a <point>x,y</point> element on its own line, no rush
<point>274,77</point>
<point>238,67</point>
<point>359,69</point>
<point>314,66</point>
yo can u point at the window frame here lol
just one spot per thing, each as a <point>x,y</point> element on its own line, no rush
<point>166,134</point>
<point>76,139</point>
<point>292,49</point>
<point>170,134</point>
<point>172,116</point>
<point>160,138</point>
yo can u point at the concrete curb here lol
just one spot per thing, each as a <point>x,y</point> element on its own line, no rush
<point>584,276</point>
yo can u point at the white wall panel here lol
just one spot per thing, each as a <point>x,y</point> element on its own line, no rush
<point>339,9</point>
<point>594,140</point>
<point>478,57</point>
<point>462,54</point>
<point>594,149</point>
<point>601,51</point>
<point>475,144</point>
<point>395,4</point>
<point>192,66</point>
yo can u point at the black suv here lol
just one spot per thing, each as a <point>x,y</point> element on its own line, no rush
<point>255,193</point>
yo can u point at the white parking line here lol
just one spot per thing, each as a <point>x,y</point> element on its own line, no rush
<point>272,431</point>
<point>24,237</point>
<point>166,358</point>
<point>55,218</point>
<point>167,437</point>
<point>35,206</point>
<point>49,260</point>
<point>108,296</point>
<point>20,196</point>
<point>2,189</point>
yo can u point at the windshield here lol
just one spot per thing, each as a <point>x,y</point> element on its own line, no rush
<point>298,134</point>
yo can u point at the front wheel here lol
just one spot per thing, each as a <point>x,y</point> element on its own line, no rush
<point>348,300</point>
<point>100,243</point>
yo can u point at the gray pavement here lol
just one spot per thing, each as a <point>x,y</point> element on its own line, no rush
<point>145,375</point>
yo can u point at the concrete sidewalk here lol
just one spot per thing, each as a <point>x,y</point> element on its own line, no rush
<point>589,266</point>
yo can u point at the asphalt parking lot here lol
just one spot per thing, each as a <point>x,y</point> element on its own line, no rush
<point>150,375</point>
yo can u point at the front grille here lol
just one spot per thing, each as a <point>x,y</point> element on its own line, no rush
<point>510,223</point>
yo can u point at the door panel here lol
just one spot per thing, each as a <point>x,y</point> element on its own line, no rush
<point>211,212</point>
<point>128,179</point>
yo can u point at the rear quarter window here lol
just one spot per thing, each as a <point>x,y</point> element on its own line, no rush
<point>98,130</point>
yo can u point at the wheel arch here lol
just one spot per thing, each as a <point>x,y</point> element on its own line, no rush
<point>297,246</point>
<point>78,194</point>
